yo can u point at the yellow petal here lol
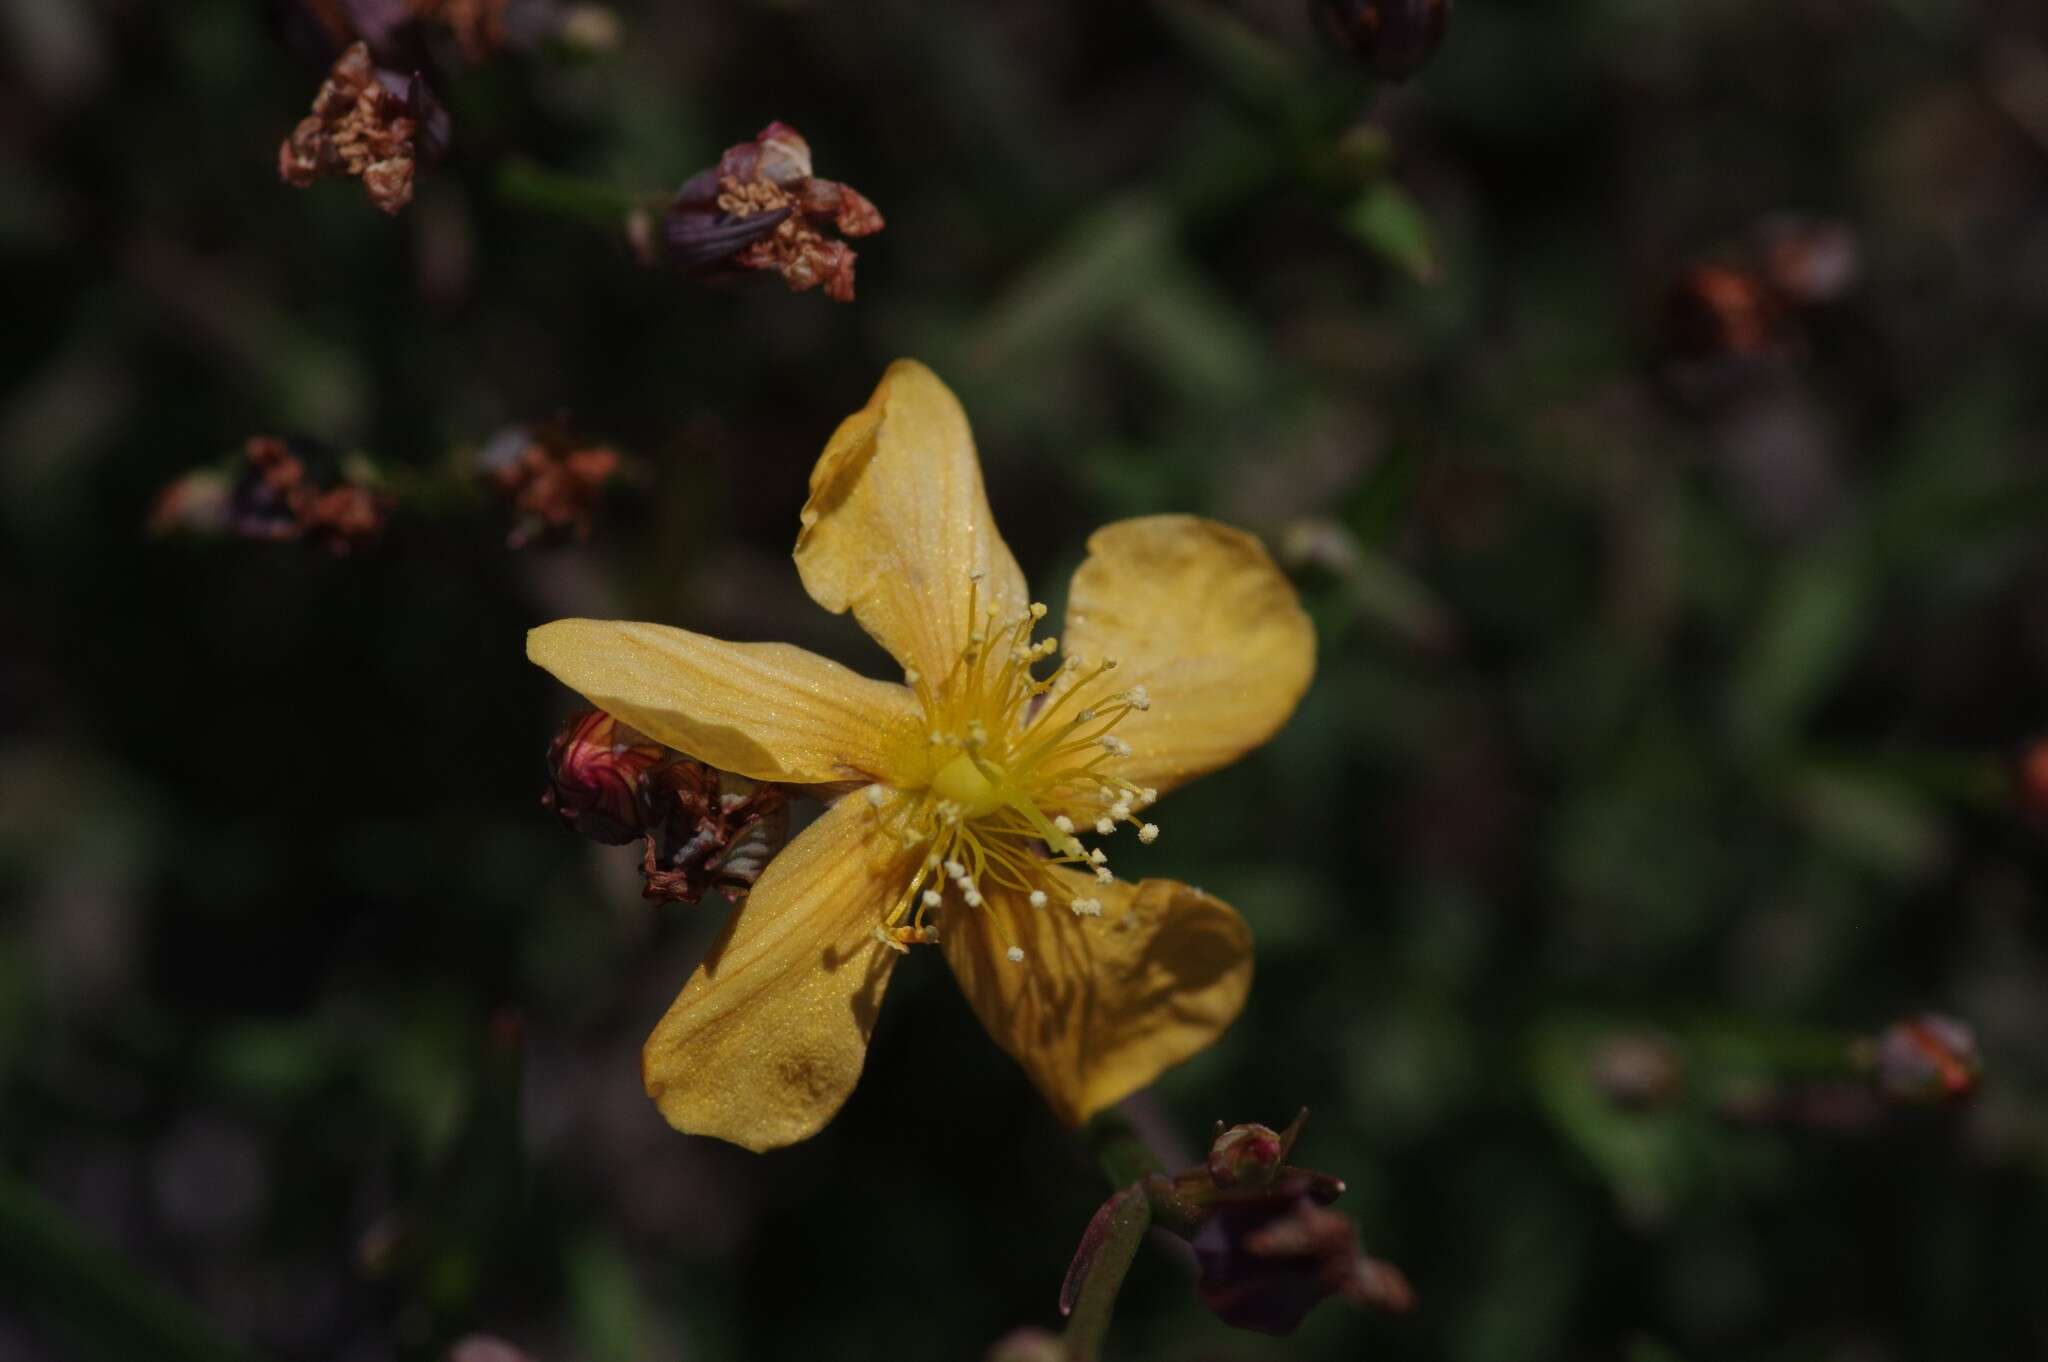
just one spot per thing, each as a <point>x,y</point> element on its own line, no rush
<point>767,1038</point>
<point>897,519</point>
<point>770,711</point>
<point>1101,1006</point>
<point>1198,614</point>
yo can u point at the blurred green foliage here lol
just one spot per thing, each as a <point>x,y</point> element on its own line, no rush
<point>1657,697</point>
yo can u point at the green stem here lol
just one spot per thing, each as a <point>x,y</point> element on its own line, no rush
<point>1121,1150</point>
<point>93,1302</point>
<point>602,205</point>
<point>1095,1304</point>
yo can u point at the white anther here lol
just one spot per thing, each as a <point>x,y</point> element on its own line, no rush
<point>932,898</point>
<point>1106,796</point>
<point>1085,716</point>
<point>977,733</point>
<point>1149,833</point>
<point>1038,898</point>
<point>874,794</point>
<point>1015,955</point>
<point>1104,827</point>
<point>1119,811</point>
<point>1086,907</point>
<point>955,870</point>
<point>911,676</point>
<point>1139,697</point>
<point>1104,876</point>
<point>973,897</point>
<point>1115,746</point>
<point>1038,610</point>
<point>1147,797</point>
<point>1098,857</point>
<point>937,738</point>
<point>1063,823</point>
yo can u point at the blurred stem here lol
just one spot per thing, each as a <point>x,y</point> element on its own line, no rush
<point>531,186</point>
<point>1121,1150</point>
<point>94,1302</point>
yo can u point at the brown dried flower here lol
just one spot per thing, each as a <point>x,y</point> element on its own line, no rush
<point>373,125</point>
<point>273,497</point>
<point>553,483</point>
<point>713,832</point>
<point>761,208</point>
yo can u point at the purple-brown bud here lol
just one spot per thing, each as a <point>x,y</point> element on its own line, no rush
<point>1926,1060</point>
<point>1395,38</point>
<point>598,778</point>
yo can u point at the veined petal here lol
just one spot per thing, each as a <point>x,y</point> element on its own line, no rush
<point>1198,614</point>
<point>767,1038</point>
<point>897,520</point>
<point>770,711</point>
<point>1100,1006</point>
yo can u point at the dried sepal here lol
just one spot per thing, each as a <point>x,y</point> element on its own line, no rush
<point>272,496</point>
<point>712,831</point>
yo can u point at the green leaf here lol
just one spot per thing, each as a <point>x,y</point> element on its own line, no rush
<point>1389,223</point>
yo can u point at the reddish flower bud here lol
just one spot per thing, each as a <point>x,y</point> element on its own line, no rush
<point>1250,1155</point>
<point>1926,1060</point>
<point>1396,38</point>
<point>761,208</point>
<point>598,773</point>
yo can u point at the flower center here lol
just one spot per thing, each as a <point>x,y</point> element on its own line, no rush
<point>1014,767</point>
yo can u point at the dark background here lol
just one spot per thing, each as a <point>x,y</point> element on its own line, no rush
<point>1656,699</point>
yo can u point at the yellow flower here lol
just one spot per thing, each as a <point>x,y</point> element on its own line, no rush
<point>966,798</point>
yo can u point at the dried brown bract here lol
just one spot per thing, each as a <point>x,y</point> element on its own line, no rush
<point>373,125</point>
<point>761,208</point>
<point>713,832</point>
<point>553,483</point>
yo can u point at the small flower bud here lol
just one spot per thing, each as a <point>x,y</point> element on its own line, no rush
<point>1248,1155</point>
<point>1926,1060</point>
<point>598,778</point>
<point>1396,38</point>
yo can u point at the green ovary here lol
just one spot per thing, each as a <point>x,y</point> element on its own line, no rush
<point>969,786</point>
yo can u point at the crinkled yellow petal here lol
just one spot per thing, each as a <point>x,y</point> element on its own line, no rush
<point>897,520</point>
<point>1198,614</point>
<point>1101,1006</point>
<point>767,1038</point>
<point>770,711</point>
